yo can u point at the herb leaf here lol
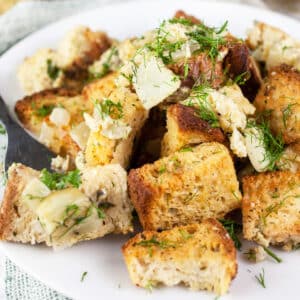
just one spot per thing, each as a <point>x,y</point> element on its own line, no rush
<point>286,113</point>
<point>2,129</point>
<point>233,228</point>
<point>205,110</point>
<point>58,181</point>
<point>109,108</point>
<point>44,110</point>
<point>52,69</point>
<point>261,278</point>
<point>209,39</point>
<point>273,145</point>
<point>83,276</point>
<point>272,254</point>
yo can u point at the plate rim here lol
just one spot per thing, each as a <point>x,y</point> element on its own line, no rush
<point>84,14</point>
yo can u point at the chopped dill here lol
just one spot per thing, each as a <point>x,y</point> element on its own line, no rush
<point>233,228</point>
<point>182,21</point>
<point>2,129</point>
<point>242,78</point>
<point>109,108</point>
<point>162,47</point>
<point>261,278</point>
<point>83,276</point>
<point>209,38</point>
<point>44,110</point>
<point>52,70</point>
<point>205,110</point>
<point>286,113</point>
<point>186,149</point>
<point>273,144</point>
<point>185,235</point>
<point>105,66</point>
<point>272,254</point>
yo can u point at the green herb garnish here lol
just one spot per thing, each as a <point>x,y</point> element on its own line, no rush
<point>58,181</point>
<point>286,113</point>
<point>209,39</point>
<point>83,276</point>
<point>44,110</point>
<point>186,149</point>
<point>182,21</point>
<point>272,254</point>
<point>242,78</point>
<point>155,242</point>
<point>273,145</point>
<point>261,278</point>
<point>204,108</point>
<point>185,235</point>
<point>109,108</point>
<point>105,66</point>
<point>162,47</point>
<point>52,70</point>
<point>233,228</point>
<point>2,129</point>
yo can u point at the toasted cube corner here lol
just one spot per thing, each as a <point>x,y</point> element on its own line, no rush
<point>185,187</point>
<point>201,256</point>
<point>186,128</point>
<point>270,208</point>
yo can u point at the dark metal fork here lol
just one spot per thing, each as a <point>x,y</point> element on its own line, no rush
<point>22,147</point>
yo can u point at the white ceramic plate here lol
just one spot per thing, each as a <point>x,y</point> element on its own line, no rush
<point>107,275</point>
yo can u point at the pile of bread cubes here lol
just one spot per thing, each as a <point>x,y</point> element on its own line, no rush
<point>187,125</point>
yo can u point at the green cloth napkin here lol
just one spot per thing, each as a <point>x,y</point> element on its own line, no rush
<point>21,286</point>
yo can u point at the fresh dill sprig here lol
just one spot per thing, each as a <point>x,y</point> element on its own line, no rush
<point>273,144</point>
<point>52,70</point>
<point>286,113</point>
<point>155,242</point>
<point>58,181</point>
<point>83,276</point>
<point>44,110</point>
<point>273,208</point>
<point>109,108</point>
<point>242,78</point>
<point>105,66</point>
<point>272,254</point>
<point>182,21</point>
<point>233,228</point>
<point>162,47</point>
<point>209,39</point>
<point>2,129</point>
<point>205,110</point>
<point>261,278</point>
<point>186,149</point>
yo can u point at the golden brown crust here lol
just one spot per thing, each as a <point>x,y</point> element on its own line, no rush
<point>182,188</point>
<point>269,207</point>
<point>13,190</point>
<point>182,14</point>
<point>185,127</point>
<point>27,108</point>
<point>280,95</point>
<point>239,61</point>
<point>203,242</point>
<point>188,121</point>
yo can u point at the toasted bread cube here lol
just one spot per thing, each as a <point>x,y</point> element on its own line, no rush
<point>186,128</point>
<point>81,46</point>
<point>280,96</point>
<point>290,159</point>
<point>270,208</point>
<point>273,46</point>
<point>102,149</point>
<point>32,213</point>
<point>35,113</point>
<point>185,187</point>
<point>201,256</point>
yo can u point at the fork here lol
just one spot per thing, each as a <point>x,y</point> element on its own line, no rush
<point>22,148</point>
